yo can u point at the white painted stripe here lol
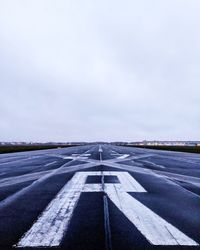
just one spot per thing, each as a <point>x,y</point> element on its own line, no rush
<point>100,149</point>
<point>100,153</point>
<point>123,156</point>
<point>141,156</point>
<point>77,155</point>
<point>156,230</point>
<point>154,164</point>
<point>128,183</point>
<point>33,176</point>
<point>48,164</point>
<point>55,219</point>
<point>93,188</point>
<point>50,227</point>
<point>61,156</point>
<point>24,159</point>
<point>130,158</point>
<point>152,226</point>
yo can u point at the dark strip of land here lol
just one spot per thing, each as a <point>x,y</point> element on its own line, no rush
<point>21,148</point>
<point>188,149</point>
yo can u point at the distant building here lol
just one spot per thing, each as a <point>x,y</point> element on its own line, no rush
<point>166,143</point>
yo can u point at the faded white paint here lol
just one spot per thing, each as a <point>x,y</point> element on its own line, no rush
<point>50,227</point>
<point>49,164</point>
<point>83,156</point>
<point>100,149</point>
<point>156,230</point>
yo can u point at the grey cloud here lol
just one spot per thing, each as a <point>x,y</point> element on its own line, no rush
<point>99,70</point>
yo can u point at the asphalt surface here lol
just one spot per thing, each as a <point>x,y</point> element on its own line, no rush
<point>100,197</point>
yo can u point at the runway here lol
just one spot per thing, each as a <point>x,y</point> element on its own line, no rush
<point>100,196</point>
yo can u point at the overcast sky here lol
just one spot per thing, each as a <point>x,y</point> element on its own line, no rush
<point>99,70</point>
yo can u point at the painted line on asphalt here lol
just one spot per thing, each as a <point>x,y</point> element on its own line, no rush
<point>123,156</point>
<point>15,196</point>
<point>71,157</point>
<point>185,178</point>
<point>37,175</point>
<point>54,221</point>
<point>100,153</point>
<point>49,229</point>
<point>155,229</point>
<point>24,159</point>
<point>131,158</point>
<point>49,164</point>
<point>154,164</point>
<point>100,149</point>
<point>37,180</point>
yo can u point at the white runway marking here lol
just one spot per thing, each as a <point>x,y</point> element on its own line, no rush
<point>156,230</point>
<point>184,178</point>
<point>141,156</point>
<point>50,227</point>
<point>123,156</point>
<point>154,164</point>
<point>100,149</point>
<point>34,176</point>
<point>118,159</point>
<point>48,164</point>
<point>72,157</point>
<point>19,160</point>
<point>100,153</point>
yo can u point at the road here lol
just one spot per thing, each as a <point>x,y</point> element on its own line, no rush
<point>100,197</point>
